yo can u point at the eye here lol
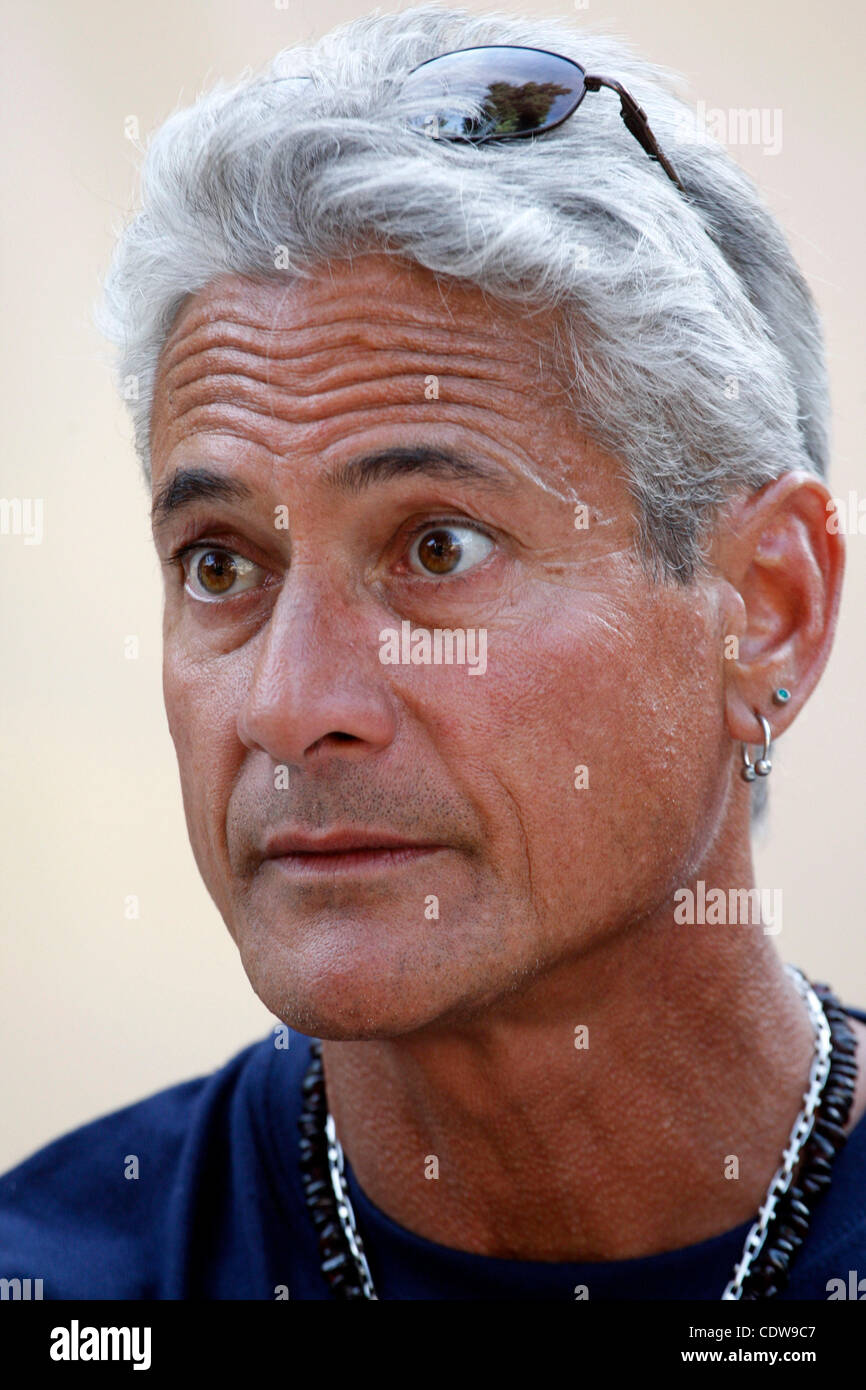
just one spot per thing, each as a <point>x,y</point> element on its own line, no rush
<point>213,574</point>
<point>448,548</point>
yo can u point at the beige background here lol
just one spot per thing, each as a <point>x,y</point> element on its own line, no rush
<point>98,1010</point>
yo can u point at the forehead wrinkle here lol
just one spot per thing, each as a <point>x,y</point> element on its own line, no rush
<point>271,374</point>
<point>270,402</point>
<point>231,331</point>
<point>292,392</point>
<point>297,367</point>
<point>196,368</point>
<point>233,305</point>
<point>226,328</point>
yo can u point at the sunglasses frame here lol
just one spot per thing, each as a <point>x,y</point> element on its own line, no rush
<point>633,115</point>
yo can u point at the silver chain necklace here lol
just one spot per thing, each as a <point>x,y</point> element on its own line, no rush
<point>757,1235</point>
<point>345,1211</point>
<point>781,1181</point>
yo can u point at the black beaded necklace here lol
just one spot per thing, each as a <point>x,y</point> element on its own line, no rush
<point>345,1267</point>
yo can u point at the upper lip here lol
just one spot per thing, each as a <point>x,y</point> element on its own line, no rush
<point>338,841</point>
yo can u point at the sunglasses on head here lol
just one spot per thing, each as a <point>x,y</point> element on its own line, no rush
<point>520,92</point>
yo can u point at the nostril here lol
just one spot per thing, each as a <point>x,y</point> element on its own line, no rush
<point>327,742</point>
<point>337,736</point>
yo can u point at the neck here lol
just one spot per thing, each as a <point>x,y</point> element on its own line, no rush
<point>695,1058</point>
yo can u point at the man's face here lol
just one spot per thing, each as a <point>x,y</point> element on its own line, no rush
<point>305,398</point>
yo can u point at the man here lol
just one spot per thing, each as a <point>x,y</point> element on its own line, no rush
<point>488,486</point>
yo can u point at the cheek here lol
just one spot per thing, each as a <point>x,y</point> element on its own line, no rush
<point>600,742</point>
<point>203,726</point>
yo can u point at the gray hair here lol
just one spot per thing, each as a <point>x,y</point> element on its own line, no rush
<point>687,337</point>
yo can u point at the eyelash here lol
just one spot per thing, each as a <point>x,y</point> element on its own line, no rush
<point>178,556</point>
<point>203,543</point>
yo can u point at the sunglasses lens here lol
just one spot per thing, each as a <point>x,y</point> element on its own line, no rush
<point>518,91</point>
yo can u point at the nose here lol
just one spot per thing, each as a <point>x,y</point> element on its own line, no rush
<point>317,687</point>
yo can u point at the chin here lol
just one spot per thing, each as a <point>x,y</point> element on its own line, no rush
<point>344,995</point>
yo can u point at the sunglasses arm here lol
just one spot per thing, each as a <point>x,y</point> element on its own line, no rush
<point>635,120</point>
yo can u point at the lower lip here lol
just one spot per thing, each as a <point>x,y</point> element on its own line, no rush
<point>357,863</point>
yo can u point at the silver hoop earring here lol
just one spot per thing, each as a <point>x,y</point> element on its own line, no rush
<point>762,766</point>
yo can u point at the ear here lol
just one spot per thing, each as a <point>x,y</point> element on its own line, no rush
<point>783,556</point>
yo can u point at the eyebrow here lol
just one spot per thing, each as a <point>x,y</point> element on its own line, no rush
<point>437,462</point>
<point>189,485</point>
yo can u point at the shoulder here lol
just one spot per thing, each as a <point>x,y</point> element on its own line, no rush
<point>857,1020</point>
<point>832,1263</point>
<point>89,1214</point>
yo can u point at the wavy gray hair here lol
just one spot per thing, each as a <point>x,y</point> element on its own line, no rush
<point>694,359</point>
<point>687,336</point>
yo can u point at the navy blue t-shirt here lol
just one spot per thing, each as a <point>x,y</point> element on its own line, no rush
<point>217,1211</point>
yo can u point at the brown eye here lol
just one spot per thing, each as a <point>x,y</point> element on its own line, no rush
<point>445,550</point>
<point>214,574</point>
<point>216,571</point>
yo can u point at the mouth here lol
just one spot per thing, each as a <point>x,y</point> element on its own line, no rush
<point>350,853</point>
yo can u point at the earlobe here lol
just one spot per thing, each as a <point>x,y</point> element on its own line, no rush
<point>744,721</point>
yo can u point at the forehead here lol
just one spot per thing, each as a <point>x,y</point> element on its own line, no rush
<point>296,362</point>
